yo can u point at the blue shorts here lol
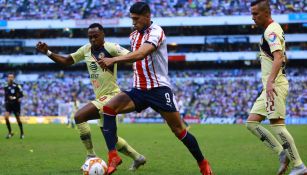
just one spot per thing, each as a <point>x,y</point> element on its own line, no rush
<point>159,99</point>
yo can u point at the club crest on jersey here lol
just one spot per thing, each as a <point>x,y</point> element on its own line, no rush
<point>272,37</point>
<point>93,66</point>
<point>101,55</point>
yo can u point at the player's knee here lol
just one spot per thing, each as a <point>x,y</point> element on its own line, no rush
<point>177,130</point>
<point>251,125</point>
<point>109,110</point>
<point>78,118</point>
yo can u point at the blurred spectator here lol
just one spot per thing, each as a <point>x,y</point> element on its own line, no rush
<point>89,9</point>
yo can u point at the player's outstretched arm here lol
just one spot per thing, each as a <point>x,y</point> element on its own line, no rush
<point>139,54</point>
<point>64,60</point>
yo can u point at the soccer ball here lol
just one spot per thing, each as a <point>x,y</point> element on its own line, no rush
<point>94,166</point>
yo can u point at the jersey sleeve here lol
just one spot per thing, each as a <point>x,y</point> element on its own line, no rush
<point>20,94</point>
<point>156,36</point>
<point>78,55</point>
<point>273,36</point>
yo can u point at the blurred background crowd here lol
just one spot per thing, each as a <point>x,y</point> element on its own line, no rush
<point>89,9</point>
<point>200,94</point>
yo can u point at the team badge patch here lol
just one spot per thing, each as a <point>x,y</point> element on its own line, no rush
<point>272,37</point>
<point>101,55</point>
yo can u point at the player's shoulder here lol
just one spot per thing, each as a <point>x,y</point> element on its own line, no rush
<point>86,47</point>
<point>273,27</point>
<point>112,46</point>
<point>156,27</point>
<point>109,44</point>
<point>5,85</point>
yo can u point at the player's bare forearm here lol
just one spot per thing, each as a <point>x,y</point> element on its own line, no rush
<point>139,54</point>
<point>67,61</point>
<point>277,63</point>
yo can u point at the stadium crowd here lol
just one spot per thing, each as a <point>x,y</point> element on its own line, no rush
<point>224,93</point>
<point>89,9</point>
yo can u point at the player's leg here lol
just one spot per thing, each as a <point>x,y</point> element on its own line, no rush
<point>175,123</point>
<point>88,112</point>
<point>8,125</point>
<point>254,126</point>
<point>286,140</point>
<point>17,115</point>
<point>121,103</point>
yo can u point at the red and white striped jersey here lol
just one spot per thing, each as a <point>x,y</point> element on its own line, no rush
<point>152,71</point>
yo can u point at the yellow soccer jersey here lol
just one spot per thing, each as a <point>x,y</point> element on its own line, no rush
<point>103,81</point>
<point>272,40</point>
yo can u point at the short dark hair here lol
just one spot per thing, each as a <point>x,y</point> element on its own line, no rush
<point>140,8</point>
<point>263,5</point>
<point>256,2</point>
<point>94,25</point>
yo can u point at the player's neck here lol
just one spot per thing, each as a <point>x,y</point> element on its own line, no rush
<point>268,23</point>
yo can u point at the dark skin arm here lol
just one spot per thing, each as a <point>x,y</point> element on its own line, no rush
<point>60,59</point>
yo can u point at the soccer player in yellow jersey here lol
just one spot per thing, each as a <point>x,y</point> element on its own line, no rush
<point>271,103</point>
<point>104,85</point>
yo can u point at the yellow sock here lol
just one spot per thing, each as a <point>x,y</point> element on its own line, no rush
<point>285,138</point>
<point>265,136</point>
<point>123,147</point>
<point>85,136</point>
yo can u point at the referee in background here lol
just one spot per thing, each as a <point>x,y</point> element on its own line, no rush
<point>13,94</point>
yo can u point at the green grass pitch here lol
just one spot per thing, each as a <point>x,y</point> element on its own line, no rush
<point>56,150</point>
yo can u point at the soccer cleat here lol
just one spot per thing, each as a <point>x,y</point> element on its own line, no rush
<point>299,170</point>
<point>284,163</point>
<point>86,158</point>
<point>205,168</point>
<point>114,161</point>
<point>9,135</point>
<point>137,163</point>
<point>22,136</point>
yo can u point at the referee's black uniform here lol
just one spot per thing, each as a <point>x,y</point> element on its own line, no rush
<point>13,93</point>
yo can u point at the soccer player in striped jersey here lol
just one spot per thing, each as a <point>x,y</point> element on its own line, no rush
<point>104,85</point>
<point>151,86</point>
<point>271,103</point>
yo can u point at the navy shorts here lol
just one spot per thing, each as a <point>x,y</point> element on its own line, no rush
<point>159,99</point>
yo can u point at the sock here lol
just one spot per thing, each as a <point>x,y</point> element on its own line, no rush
<point>265,136</point>
<point>109,127</point>
<point>191,143</point>
<point>123,147</point>
<point>285,138</point>
<point>20,127</point>
<point>85,136</point>
<point>8,125</point>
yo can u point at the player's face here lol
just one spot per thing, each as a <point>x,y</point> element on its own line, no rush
<point>140,21</point>
<point>259,16</point>
<point>96,37</point>
<point>10,78</point>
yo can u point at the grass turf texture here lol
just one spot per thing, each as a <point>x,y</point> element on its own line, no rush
<point>57,150</point>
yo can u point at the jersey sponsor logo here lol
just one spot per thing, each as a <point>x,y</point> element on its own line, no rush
<point>93,66</point>
<point>272,37</point>
<point>94,76</point>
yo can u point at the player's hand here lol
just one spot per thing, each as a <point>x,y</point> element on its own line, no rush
<point>270,91</point>
<point>106,62</point>
<point>42,47</point>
